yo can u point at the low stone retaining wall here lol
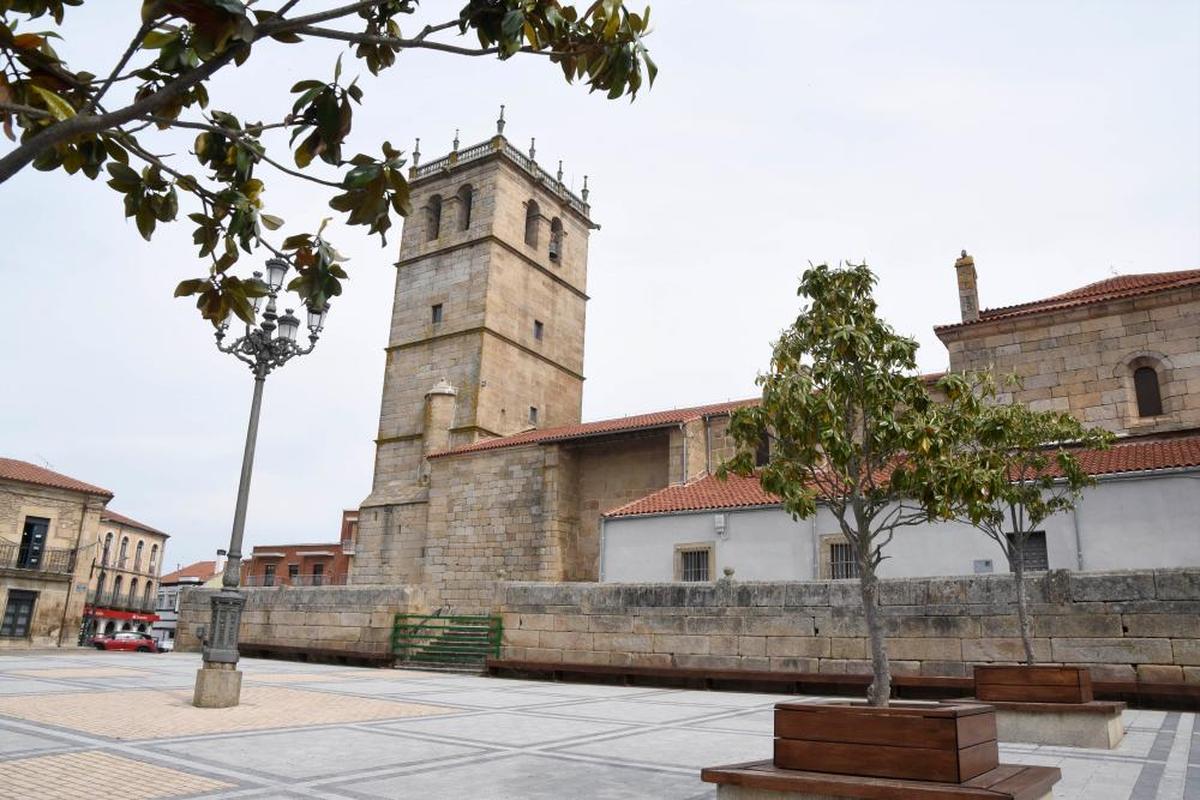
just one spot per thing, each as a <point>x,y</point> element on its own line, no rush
<point>1136,625</point>
<point>1142,625</point>
<point>347,618</point>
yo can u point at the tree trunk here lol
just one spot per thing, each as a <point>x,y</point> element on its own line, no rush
<point>1023,619</point>
<point>880,690</point>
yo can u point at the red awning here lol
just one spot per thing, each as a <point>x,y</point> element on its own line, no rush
<point>112,613</point>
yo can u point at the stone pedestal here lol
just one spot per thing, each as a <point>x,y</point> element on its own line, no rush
<point>217,686</point>
<point>1096,724</point>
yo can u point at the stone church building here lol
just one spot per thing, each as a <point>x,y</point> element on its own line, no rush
<point>484,471</point>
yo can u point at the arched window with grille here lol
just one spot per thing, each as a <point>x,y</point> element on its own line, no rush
<point>1146,388</point>
<point>100,586</point>
<point>137,557</point>
<point>465,196</point>
<point>107,549</point>
<point>556,240</point>
<point>146,592</point>
<point>123,558</point>
<point>433,218</point>
<point>116,590</point>
<point>532,215</point>
<point>133,586</point>
<point>153,558</point>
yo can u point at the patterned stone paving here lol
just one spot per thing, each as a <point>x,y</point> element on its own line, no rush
<point>316,731</point>
<point>73,775</point>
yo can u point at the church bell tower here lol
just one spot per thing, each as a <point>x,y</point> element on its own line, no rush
<point>487,329</point>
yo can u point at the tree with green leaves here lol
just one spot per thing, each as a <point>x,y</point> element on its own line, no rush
<point>851,426</point>
<point>1023,465</point>
<point>111,118</point>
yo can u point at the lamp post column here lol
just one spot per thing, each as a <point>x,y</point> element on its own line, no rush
<point>263,348</point>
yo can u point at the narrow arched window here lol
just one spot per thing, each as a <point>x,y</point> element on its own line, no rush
<point>124,556</point>
<point>433,218</point>
<point>532,214</point>
<point>137,557</point>
<point>1149,398</point>
<point>107,549</point>
<point>116,592</point>
<point>465,195</point>
<point>133,591</point>
<point>146,596</point>
<point>100,587</point>
<point>556,239</point>
<point>153,558</point>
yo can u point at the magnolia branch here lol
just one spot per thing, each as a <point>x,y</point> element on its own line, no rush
<point>255,147</point>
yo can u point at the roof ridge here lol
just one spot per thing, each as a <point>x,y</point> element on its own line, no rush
<point>14,469</point>
<point>1116,287</point>
<point>612,425</point>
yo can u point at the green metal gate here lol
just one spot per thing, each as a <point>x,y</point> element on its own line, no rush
<point>445,640</point>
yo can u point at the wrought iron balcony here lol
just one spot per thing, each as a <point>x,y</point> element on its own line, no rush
<point>54,560</point>
<point>295,580</point>
<point>121,602</point>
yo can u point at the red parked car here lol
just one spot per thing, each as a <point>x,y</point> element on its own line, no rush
<point>126,640</point>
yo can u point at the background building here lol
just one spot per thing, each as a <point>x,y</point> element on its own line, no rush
<point>48,525</point>
<point>123,585</point>
<point>483,471</point>
<point>171,585</point>
<point>304,564</point>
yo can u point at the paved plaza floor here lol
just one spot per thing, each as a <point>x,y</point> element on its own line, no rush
<point>84,724</point>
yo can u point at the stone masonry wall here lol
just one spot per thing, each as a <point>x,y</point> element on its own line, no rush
<point>1082,360</point>
<point>345,618</point>
<point>1123,624</point>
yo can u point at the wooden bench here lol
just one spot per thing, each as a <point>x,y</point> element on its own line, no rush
<point>1005,782</point>
<point>326,655</point>
<point>916,687</point>
<point>1175,696</point>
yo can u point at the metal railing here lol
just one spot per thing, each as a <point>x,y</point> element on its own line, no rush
<point>121,601</point>
<point>294,580</point>
<point>484,149</point>
<point>446,640</point>
<point>59,561</point>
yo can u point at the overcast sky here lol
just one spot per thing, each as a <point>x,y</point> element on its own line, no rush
<point>1058,142</point>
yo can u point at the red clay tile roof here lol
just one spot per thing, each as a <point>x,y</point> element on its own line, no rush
<point>639,422</point>
<point>201,570</point>
<point>1120,287</point>
<point>710,494</point>
<point>24,472</point>
<point>121,519</point>
<point>703,494</point>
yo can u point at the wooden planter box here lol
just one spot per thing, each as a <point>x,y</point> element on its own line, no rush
<point>1038,684</point>
<point>948,742</point>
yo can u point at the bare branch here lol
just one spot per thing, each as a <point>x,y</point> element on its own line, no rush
<point>17,108</point>
<point>112,76</point>
<point>393,41</point>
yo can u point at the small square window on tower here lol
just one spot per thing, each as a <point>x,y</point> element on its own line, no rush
<point>533,415</point>
<point>436,313</point>
<point>539,329</point>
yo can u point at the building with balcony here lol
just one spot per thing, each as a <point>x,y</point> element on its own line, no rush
<point>304,564</point>
<point>48,528</point>
<point>170,586</point>
<point>124,576</point>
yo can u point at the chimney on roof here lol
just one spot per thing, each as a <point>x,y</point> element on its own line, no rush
<point>968,287</point>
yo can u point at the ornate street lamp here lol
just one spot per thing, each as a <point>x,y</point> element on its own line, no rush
<point>266,347</point>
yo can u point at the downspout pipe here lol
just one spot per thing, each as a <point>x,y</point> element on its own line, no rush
<point>62,623</point>
<point>602,548</point>
<point>683,476</point>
